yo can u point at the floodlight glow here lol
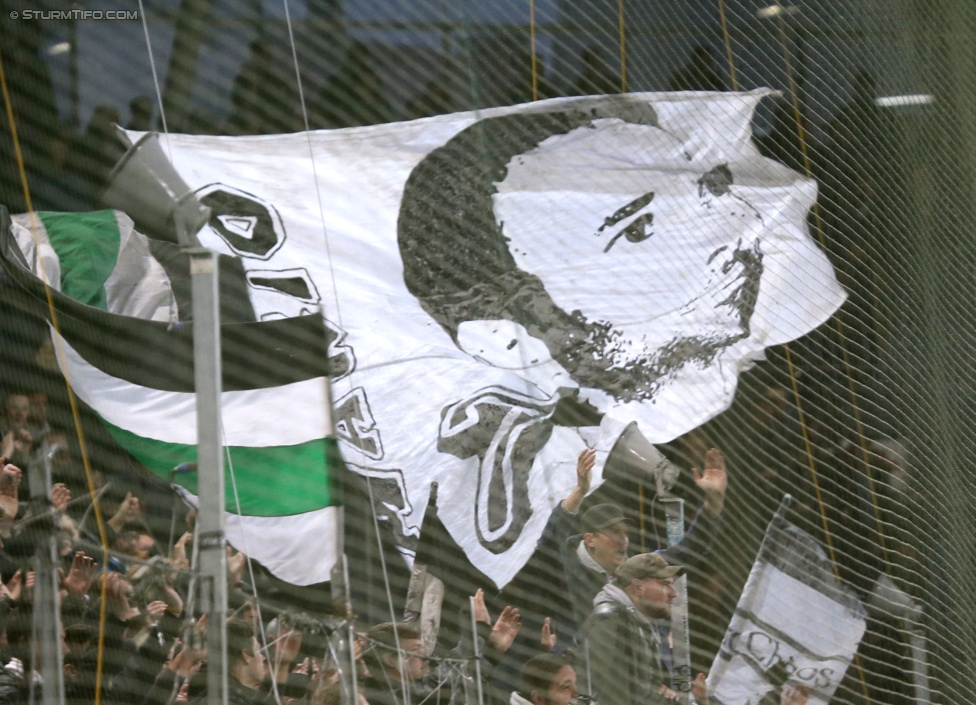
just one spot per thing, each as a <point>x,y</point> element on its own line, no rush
<point>766,13</point>
<point>59,48</point>
<point>891,101</point>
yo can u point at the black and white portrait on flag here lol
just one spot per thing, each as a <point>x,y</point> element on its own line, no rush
<point>478,251</point>
<point>483,273</point>
<point>478,233</point>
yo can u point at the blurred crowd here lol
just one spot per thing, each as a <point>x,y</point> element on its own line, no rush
<point>588,618</point>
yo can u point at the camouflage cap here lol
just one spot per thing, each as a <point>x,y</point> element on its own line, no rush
<point>646,565</point>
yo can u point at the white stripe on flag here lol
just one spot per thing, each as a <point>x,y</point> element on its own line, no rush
<point>299,549</point>
<point>278,416</point>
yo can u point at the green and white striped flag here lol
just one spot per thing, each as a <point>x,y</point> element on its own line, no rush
<point>126,361</point>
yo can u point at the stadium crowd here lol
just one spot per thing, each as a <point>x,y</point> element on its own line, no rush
<point>586,619</point>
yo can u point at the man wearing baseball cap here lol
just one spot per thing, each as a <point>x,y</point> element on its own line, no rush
<point>620,643</point>
<point>594,557</point>
<point>579,554</point>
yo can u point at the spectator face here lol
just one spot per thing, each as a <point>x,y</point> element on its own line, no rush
<point>288,645</point>
<point>414,660</point>
<point>38,408</point>
<point>609,546</point>
<point>18,410</point>
<point>653,596</point>
<point>255,664</point>
<point>562,689</point>
<point>143,546</point>
<point>416,664</point>
<point>126,542</point>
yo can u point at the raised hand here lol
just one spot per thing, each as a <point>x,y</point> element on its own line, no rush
<point>186,661</point>
<point>10,478</point>
<point>179,557</point>
<point>548,638</point>
<point>156,609</point>
<point>506,629</point>
<point>80,576</point>
<point>129,510</point>
<point>302,668</point>
<point>60,497</point>
<point>713,482</point>
<point>584,471</point>
<point>480,609</point>
<point>117,592</point>
<point>172,598</point>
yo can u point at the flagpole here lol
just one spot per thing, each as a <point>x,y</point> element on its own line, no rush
<point>332,461</point>
<point>681,650</point>
<point>47,603</point>
<point>210,463</point>
<point>476,653</point>
<point>339,575</point>
<point>344,641</point>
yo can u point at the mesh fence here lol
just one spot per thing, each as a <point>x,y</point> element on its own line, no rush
<point>862,417</point>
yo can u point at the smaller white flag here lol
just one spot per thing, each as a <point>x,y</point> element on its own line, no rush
<point>795,624</point>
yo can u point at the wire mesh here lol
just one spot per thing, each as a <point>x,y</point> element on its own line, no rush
<point>864,420</point>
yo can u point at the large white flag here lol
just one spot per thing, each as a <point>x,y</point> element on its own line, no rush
<point>492,280</point>
<point>795,625</point>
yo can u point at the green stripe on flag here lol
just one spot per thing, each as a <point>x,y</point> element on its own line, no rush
<point>273,481</point>
<point>87,245</point>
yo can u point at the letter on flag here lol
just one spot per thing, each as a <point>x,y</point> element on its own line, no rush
<point>795,624</point>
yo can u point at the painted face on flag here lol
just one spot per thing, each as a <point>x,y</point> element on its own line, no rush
<point>672,251</point>
<point>673,269</point>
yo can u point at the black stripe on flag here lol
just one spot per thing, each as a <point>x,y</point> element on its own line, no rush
<point>158,355</point>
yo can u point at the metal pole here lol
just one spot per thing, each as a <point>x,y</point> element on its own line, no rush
<point>681,650</point>
<point>210,464</point>
<point>47,605</point>
<point>346,647</point>
<point>920,665</point>
<point>477,655</point>
<point>352,687</point>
